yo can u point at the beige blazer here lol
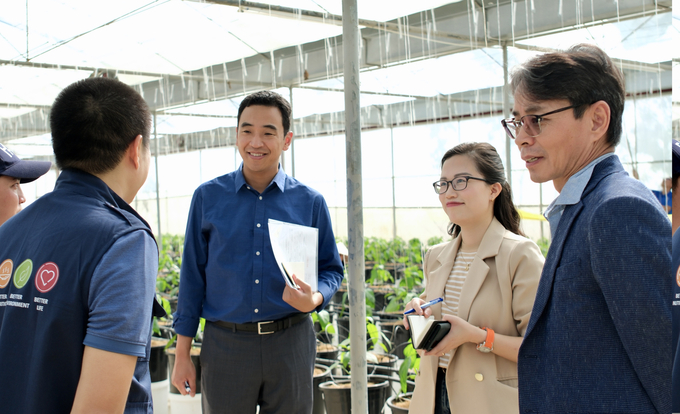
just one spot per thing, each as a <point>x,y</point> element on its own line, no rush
<point>498,293</point>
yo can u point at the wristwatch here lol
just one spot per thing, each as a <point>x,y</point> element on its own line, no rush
<point>487,345</point>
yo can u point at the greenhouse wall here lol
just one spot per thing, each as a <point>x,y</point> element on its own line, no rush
<point>399,166</point>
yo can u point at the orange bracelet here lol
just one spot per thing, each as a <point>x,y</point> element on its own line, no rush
<point>487,345</point>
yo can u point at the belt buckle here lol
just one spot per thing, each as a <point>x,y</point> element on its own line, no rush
<point>259,328</point>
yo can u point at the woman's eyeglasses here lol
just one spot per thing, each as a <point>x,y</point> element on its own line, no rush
<point>458,184</point>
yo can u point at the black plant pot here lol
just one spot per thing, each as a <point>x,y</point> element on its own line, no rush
<point>339,400</point>
<point>318,407</point>
<point>195,358</point>
<point>329,352</point>
<point>386,362</point>
<point>322,336</point>
<point>398,335</point>
<point>396,409</point>
<point>158,360</point>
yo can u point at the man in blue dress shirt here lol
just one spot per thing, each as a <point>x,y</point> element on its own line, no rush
<point>259,345</point>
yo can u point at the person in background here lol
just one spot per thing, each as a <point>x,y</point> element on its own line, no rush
<point>674,182</point>
<point>13,172</point>
<point>676,284</point>
<point>665,195</point>
<point>78,266</point>
<point>487,275</point>
<point>598,338</point>
<point>259,345</point>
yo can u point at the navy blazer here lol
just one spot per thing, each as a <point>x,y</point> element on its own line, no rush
<point>598,340</point>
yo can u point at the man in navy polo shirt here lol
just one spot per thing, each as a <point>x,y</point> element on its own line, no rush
<point>13,172</point>
<point>258,345</point>
<point>78,266</point>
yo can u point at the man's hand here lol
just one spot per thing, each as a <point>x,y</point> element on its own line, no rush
<point>302,299</point>
<point>184,369</point>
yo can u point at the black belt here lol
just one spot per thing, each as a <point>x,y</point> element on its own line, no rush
<point>265,327</point>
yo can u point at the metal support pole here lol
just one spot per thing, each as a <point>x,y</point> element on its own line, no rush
<point>292,144</point>
<point>394,192</point>
<point>506,113</point>
<point>158,200</point>
<point>355,221</point>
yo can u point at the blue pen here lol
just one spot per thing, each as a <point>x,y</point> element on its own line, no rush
<point>187,388</point>
<point>425,305</point>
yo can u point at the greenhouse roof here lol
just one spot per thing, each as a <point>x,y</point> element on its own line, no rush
<point>193,61</point>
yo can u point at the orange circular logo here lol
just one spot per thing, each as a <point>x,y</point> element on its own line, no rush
<point>6,272</point>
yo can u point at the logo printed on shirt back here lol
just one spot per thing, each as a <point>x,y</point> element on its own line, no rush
<point>46,277</point>
<point>23,273</point>
<point>677,277</point>
<point>5,272</point>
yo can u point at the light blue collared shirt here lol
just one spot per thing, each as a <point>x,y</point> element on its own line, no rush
<point>571,193</point>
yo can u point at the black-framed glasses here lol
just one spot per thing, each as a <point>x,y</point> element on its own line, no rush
<point>531,123</point>
<point>458,184</point>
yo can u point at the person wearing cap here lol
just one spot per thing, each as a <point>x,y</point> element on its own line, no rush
<point>78,266</point>
<point>13,172</point>
<point>598,337</point>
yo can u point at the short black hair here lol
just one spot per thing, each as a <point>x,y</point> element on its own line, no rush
<point>582,75</point>
<point>93,122</point>
<point>268,98</point>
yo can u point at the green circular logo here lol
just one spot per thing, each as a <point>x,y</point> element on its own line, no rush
<point>23,273</point>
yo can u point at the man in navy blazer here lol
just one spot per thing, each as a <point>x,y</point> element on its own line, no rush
<point>599,337</point>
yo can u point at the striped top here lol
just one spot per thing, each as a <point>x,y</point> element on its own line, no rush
<point>454,285</point>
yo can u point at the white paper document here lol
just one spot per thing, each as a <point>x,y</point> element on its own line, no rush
<point>296,249</point>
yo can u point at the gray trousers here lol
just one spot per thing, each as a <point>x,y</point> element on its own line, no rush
<point>241,370</point>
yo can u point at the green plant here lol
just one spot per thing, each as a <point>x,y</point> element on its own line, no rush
<point>409,367</point>
<point>434,240</point>
<point>375,338</point>
<point>169,264</point>
<point>544,245</point>
<point>323,318</point>
<point>379,275</point>
<point>199,334</point>
<point>399,297</point>
<point>166,306</point>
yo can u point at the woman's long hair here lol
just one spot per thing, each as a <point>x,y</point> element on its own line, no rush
<point>489,164</point>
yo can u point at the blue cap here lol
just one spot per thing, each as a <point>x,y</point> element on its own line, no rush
<point>25,171</point>
<point>676,157</point>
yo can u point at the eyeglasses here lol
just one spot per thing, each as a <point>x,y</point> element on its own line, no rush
<point>458,184</point>
<point>531,123</point>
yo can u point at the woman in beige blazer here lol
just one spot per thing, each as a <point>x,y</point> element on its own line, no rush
<point>488,276</point>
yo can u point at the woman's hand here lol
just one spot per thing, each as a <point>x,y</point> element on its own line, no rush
<point>461,332</point>
<point>415,304</point>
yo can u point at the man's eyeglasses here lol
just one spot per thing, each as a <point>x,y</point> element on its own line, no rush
<point>531,123</point>
<point>458,184</point>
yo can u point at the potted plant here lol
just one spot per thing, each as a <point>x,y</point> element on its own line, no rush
<point>337,395</point>
<point>158,370</point>
<point>399,404</point>
<point>321,374</point>
<point>325,351</point>
<point>323,327</point>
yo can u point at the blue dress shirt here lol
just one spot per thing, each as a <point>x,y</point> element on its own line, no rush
<point>571,193</point>
<point>228,269</point>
